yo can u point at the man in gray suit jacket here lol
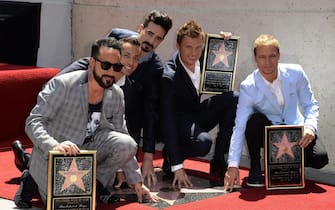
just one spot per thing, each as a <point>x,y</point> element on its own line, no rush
<point>84,110</point>
<point>273,94</point>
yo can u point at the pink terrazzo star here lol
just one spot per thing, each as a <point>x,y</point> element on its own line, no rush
<point>221,55</point>
<point>73,176</point>
<point>285,147</point>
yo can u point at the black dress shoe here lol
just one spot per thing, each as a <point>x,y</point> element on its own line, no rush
<point>21,156</point>
<point>255,178</point>
<point>103,194</point>
<point>256,181</point>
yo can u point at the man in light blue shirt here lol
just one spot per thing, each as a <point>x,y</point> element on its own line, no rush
<point>273,94</point>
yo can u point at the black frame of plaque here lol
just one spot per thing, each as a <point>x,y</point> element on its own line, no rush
<point>218,76</point>
<point>287,170</point>
<point>72,197</point>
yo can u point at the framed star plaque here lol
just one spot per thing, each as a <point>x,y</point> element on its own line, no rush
<point>71,181</point>
<point>284,158</point>
<point>219,64</point>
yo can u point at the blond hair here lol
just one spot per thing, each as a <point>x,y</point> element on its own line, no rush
<point>266,40</point>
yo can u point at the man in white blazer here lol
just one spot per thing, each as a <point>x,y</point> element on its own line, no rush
<point>84,110</point>
<point>273,94</point>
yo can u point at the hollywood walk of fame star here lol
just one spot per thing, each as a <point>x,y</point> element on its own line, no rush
<point>73,176</point>
<point>285,147</point>
<point>221,55</point>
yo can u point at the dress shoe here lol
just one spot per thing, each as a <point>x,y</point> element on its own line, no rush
<point>103,195</point>
<point>255,178</point>
<point>21,156</point>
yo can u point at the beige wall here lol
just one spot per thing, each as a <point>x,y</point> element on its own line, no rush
<point>305,29</point>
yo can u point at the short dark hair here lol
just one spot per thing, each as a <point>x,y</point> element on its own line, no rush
<point>160,18</point>
<point>131,40</point>
<point>109,42</point>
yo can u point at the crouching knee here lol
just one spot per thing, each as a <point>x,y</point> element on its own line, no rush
<point>127,146</point>
<point>320,161</point>
<point>202,145</point>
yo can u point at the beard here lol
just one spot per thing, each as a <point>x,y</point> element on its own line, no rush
<point>147,47</point>
<point>104,81</point>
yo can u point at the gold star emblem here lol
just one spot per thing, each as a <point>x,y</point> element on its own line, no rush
<point>285,147</point>
<point>221,55</point>
<point>73,176</point>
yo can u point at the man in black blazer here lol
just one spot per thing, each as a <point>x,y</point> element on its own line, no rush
<point>185,120</point>
<point>141,87</point>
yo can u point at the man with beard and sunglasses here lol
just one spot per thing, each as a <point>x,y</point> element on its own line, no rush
<point>130,54</point>
<point>83,110</point>
<point>141,87</point>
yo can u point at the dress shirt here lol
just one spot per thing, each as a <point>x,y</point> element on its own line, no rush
<point>276,89</point>
<point>121,81</point>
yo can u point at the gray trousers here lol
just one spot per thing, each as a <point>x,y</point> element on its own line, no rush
<point>115,151</point>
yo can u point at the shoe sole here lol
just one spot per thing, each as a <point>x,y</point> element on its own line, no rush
<point>255,185</point>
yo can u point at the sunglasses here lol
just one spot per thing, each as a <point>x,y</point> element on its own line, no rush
<point>105,65</point>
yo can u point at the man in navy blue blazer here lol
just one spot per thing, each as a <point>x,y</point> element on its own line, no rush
<point>273,94</point>
<point>141,87</point>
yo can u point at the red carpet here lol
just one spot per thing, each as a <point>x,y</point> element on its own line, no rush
<point>313,196</point>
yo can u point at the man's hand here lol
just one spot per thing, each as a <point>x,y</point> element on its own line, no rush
<point>147,169</point>
<point>232,177</point>
<point>226,35</point>
<point>68,148</point>
<point>121,178</point>
<point>181,179</point>
<point>307,138</point>
<point>143,193</point>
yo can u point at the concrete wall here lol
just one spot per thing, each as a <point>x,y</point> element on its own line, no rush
<point>55,33</point>
<point>305,29</point>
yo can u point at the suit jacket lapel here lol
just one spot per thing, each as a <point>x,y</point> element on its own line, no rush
<point>83,89</point>
<point>186,77</point>
<point>284,77</point>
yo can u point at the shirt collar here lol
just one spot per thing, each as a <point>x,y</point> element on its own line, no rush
<point>274,81</point>
<point>121,81</point>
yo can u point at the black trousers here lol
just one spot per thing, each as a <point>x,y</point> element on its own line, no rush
<point>216,110</point>
<point>315,153</point>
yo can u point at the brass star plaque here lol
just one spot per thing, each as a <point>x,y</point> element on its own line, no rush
<point>219,64</point>
<point>284,158</point>
<point>71,181</point>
